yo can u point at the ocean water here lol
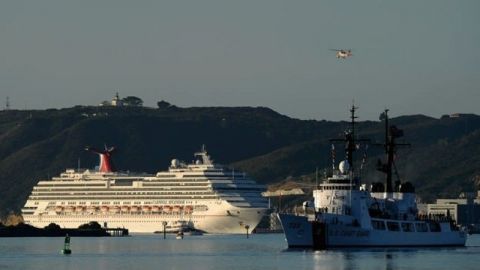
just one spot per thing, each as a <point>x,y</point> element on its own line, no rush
<point>260,251</point>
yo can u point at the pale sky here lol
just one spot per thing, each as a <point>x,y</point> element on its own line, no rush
<point>412,56</point>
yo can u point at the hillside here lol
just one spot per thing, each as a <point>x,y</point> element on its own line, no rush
<point>40,144</point>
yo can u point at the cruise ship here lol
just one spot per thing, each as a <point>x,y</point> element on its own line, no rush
<point>203,196</point>
<point>345,213</point>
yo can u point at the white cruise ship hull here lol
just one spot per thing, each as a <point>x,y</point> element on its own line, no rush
<point>215,222</point>
<point>202,196</point>
<point>299,234</point>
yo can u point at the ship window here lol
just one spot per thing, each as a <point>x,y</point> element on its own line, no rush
<point>123,182</point>
<point>193,175</point>
<point>421,227</point>
<point>378,225</point>
<point>393,226</point>
<point>407,227</point>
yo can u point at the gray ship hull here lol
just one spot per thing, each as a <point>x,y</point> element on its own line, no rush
<point>302,233</point>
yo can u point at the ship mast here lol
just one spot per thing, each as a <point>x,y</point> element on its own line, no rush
<point>349,139</point>
<point>390,145</point>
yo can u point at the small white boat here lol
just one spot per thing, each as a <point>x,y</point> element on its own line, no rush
<point>175,227</point>
<point>179,235</point>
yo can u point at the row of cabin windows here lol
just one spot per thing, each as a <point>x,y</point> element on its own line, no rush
<point>405,226</point>
<point>223,175</point>
<point>115,203</point>
<point>336,188</point>
<point>70,185</point>
<point>124,221</point>
<point>147,186</point>
<point>196,197</point>
<point>87,184</point>
<point>49,194</point>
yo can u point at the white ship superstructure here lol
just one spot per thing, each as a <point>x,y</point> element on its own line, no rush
<point>346,214</point>
<point>203,196</point>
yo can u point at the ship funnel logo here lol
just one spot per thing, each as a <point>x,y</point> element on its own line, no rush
<point>106,164</point>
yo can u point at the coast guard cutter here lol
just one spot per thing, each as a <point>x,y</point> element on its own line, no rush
<point>347,214</point>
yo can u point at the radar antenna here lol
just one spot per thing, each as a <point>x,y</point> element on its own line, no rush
<point>205,158</point>
<point>349,139</point>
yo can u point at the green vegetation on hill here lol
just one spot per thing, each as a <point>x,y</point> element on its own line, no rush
<point>39,144</point>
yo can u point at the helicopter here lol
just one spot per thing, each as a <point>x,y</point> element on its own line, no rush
<point>341,53</point>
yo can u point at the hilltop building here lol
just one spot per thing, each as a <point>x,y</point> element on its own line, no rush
<point>129,101</point>
<point>465,210</point>
<point>115,102</point>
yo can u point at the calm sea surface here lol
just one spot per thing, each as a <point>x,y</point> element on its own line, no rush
<point>261,251</point>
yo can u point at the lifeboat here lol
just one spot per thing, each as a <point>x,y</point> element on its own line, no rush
<point>188,209</point>
<point>115,209</point>
<point>156,208</point>
<point>79,209</point>
<point>125,208</point>
<point>146,208</point>
<point>104,208</point>
<point>69,209</point>
<point>91,209</point>
<point>176,208</point>
<point>58,209</point>
<point>167,209</point>
<point>134,209</point>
